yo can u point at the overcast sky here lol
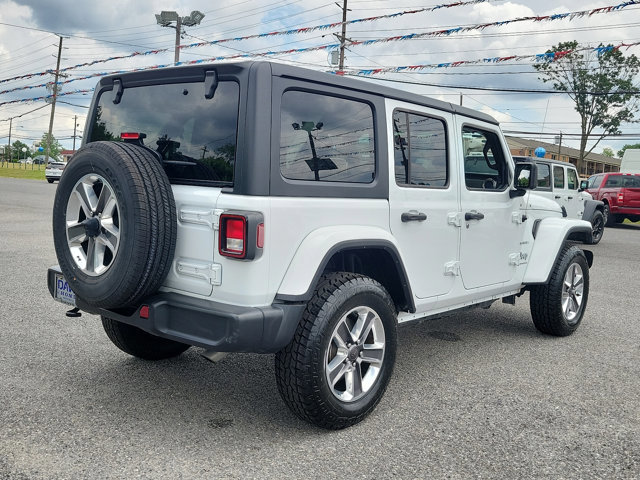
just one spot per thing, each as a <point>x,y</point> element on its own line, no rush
<point>92,31</point>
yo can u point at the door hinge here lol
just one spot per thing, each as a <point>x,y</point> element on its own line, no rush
<point>452,268</point>
<point>518,218</point>
<point>454,219</point>
<point>518,258</point>
<point>209,272</point>
<point>198,216</point>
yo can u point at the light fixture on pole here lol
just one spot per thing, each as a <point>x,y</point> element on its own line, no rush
<point>166,18</point>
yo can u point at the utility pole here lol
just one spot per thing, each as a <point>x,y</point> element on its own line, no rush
<point>10,123</point>
<point>75,124</point>
<point>53,105</point>
<point>460,99</point>
<point>560,146</point>
<point>343,37</point>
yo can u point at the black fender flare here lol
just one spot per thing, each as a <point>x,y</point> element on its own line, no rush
<point>350,245</point>
<point>590,207</point>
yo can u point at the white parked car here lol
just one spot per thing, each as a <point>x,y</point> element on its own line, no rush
<point>258,207</point>
<point>53,171</point>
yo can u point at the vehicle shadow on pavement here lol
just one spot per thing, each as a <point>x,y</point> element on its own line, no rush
<point>240,391</point>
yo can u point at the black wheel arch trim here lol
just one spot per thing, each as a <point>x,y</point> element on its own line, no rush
<point>590,207</point>
<point>385,245</point>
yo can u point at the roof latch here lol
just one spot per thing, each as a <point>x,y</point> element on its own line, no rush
<point>118,89</point>
<point>210,84</point>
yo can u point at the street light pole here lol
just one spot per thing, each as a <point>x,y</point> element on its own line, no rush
<point>176,56</point>
<point>165,18</point>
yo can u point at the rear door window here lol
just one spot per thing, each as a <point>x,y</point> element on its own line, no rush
<point>195,136</point>
<point>543,176</point>
<point>326,138</point>
<point>558,177</point>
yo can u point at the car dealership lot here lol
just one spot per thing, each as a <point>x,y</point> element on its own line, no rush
<point>481,394</point>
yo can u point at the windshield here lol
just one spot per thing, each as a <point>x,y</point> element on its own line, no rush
<point>196,137</point>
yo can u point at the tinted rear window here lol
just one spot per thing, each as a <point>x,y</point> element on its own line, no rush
<point>196,137</point>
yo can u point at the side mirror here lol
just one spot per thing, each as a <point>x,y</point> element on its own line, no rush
<point>583,185</point>
<point>523,176</point>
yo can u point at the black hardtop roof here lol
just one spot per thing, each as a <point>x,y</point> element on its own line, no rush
<point>288,71</point>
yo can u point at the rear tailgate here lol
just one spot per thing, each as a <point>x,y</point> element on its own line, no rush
<point>193,269</point>
<point>630,192</point>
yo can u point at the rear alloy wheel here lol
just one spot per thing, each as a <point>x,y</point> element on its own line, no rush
<point>597,227</point>
<point>337,367</point>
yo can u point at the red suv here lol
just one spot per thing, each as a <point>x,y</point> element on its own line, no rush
<point>620,193</point>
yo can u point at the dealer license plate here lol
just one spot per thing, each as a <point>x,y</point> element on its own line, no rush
<point>64,293</point>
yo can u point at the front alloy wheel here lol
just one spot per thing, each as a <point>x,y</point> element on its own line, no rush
<point>572,292</point>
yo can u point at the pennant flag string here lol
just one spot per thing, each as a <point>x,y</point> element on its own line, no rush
<point>301,30</point>
<point>412,36</point>
<point>539,57</point>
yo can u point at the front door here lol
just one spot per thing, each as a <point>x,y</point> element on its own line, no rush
<point>492,225</point>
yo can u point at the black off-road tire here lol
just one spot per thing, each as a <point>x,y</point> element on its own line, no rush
<point>50,180</point>
<point>139,343</point>
<point>609,218</point>
<point>597,225</point>
<point>549,314</point>
<point>146,221</point>
<point>300,366</point>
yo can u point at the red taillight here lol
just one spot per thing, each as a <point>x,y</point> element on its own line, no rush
<point>233,236</point>
<point>129,136</point>
<point>620,198</point>
<point>144,311</point>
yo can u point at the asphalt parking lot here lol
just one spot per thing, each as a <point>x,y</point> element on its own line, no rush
<point>478,395</point>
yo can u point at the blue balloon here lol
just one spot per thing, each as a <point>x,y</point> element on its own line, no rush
<point>540,152</point>
<point>40,149</point>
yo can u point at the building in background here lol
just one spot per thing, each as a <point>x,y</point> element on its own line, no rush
<point>67,154</point>
<point>593,163</point>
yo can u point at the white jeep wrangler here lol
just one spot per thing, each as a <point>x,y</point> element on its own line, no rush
<point>258,207</point>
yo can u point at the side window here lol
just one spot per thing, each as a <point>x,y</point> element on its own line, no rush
<point>420,150</point>
<point>572,179</point>
<point>485,166</point>
<point>613,181</point>
<point>544,175</point>
<point>324,138</point>
<point>558,177</point>
<point>595,181</point>
<point>631,181</point>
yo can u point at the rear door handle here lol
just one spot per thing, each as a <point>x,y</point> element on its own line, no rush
<point>473,216</point>
<point>413,216</point>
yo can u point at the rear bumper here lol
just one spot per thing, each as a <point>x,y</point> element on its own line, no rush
<point>212,325</point>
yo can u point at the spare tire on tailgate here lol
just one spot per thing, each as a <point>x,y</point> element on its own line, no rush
<point>114,224</point>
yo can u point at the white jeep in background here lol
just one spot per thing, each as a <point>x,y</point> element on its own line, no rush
<point>559,182</point>
<point>258,207</point>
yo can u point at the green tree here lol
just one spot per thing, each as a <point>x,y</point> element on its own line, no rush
<point>54,146</point>
<point>16,150</point>
<point>600,83</point>
<point>608,152</point>
<point>622,150</point>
